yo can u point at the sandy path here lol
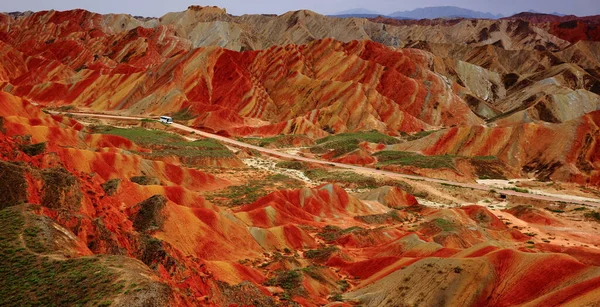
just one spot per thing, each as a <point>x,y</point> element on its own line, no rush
<point>358,169</point>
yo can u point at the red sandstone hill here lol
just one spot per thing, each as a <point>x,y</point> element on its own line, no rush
<point>570,28</point>
<point>308,243</point>
<point>563,152</point>
<point>147,71</point>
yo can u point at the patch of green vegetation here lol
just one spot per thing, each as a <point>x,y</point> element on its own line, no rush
<point>414,159</point>
<point>252,191</point>
<point>580,209</point>
<point>65,108</point>
<point>276,141</point>
<point>111,186</point>
<point>366,136</point>
<point>61,190</point>
<point>485,158</point>
<point>347,142</point>
<point>289,281</point>
<point>165,144</point>
<point>554,210</point>
<point>240,194</point>
<point>153,250</point>
<point>297,165</point>
<point>337,297</point>
<point>30,279</point>
<point>488,167</point>
<point>331,233</point>
<point>33,149</point>
<point>444,224</point>
<point>149,216</point>
<point>320,254</point>
<point>145,180</point>
<point>384,218</point>
<point>140,135</point>
<point>516,189</point>
<point>358,180</point>
<point>13,185</point>
<point>343,284</point>
<point>314,273</point>
<point>593,216</point>
<point>183,114</point>
<point>33,239</point>
<point>285,181</point>
<point>245,293</point>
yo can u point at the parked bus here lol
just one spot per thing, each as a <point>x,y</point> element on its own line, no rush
<point>166,119</point>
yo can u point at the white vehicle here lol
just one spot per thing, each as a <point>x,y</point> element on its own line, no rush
<point>165,119</point>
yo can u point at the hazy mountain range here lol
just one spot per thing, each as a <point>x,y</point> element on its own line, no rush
<point>426,13</point>
<point>443,11</point>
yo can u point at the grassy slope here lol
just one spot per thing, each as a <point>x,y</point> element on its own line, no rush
<point>166,144</point>
<point>29,276</point>
<point>346,142</point>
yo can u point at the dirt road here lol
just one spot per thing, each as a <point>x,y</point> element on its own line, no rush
<point>358,169</point>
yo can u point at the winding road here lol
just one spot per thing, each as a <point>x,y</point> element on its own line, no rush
<point>355,168</point>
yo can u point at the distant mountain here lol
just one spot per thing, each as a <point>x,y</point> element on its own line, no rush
<point>538,12</point>
<point>361,13</point>
<point>358,11</point>
<point>359,16</point>
<point>368,16</point>
<point>443,12</point>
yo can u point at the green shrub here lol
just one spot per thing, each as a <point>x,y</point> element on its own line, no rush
<point>33,149</point>
<point>331,233</point>
<point>361,181</point>
<point>297,165</point>
<point>347,142</point>
<point>287,280</point>
<point>516,189</point>
<point>445,225</point>
<point>320,254</point>
<point>414,159</point>
<point>13,185</point>
<point>61,190</point>
<point>110,187</point>
<point>145,180</point>
<point>183,114</point>
<point>149,215</point>
<point>593,216</point>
